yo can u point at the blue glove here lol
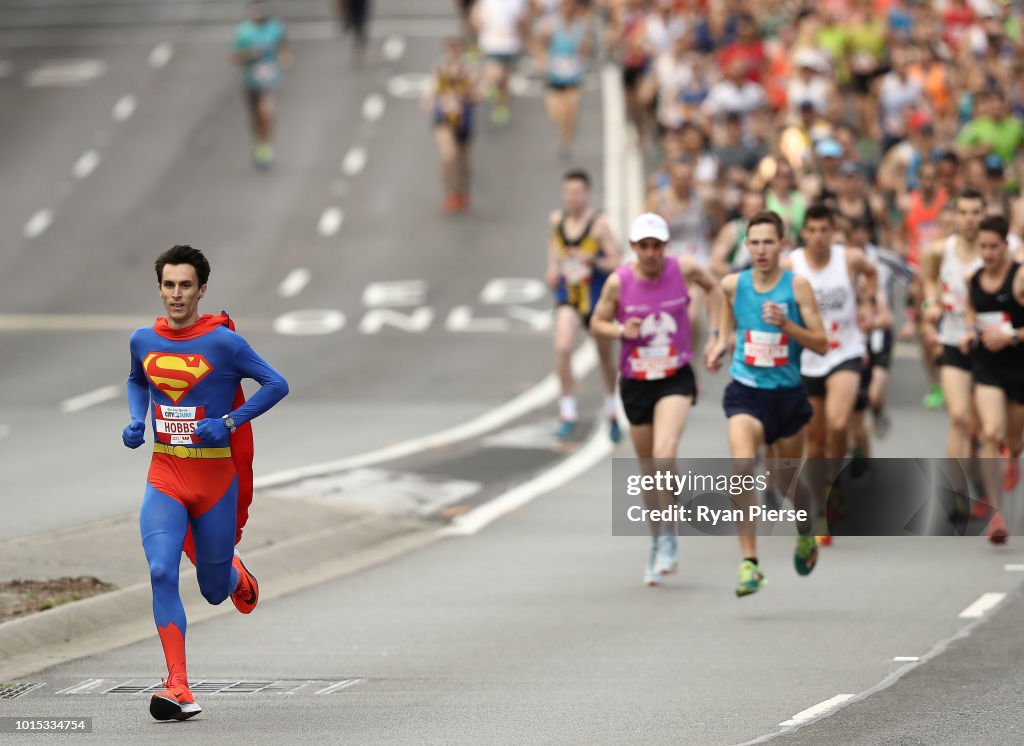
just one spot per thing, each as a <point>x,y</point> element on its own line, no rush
<point>212,432</point>
<point>134,435</point>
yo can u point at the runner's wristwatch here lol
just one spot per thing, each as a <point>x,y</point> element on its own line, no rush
<point>229,423</point>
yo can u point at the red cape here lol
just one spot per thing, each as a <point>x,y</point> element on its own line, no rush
<point>241,440</point>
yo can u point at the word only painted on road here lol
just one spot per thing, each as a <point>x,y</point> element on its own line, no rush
<point>402,305</point>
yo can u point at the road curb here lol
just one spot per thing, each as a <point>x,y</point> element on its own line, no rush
<point>119,618</point>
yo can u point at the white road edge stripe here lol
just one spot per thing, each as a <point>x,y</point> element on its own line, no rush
<point>90,399</point>
<point>354,161</point>
<point>38,223</point>
<point>294,282</point>
<point>373,107</point>
<point>597,448</point>
<point>986,603</point>
<point>339,686</point>
<point>906,658</point>
<point>86,164</point>
<point>1013,568</point>
<point>330,221</point>
<point>124,108</point>
<point>161,54</point>
<point>539,395</point>
<point>812,712</point>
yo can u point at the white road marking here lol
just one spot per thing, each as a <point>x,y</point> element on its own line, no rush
<point>539,395</point>
<point>416,322</point>
<point>38,223</point>
<point>393,48</point>
<point>985,603</point>
<point>83,686</point>
<point>395,293</point>
<point>595,450</point>
<point>30,322</point>
<point>613,125</point>
<point>410,85</point>
<point>812,712</point>
<point>161,55</point>
<point>330,221</point>
<point>373,107</point>
<point>86,164</point>
<point>90,399</point>
<point>907,658</point>
<point>339,686</point>
<point>310,322</point>
<point>1013,568</point>
<point>294,282</point>
<point>354,161</point>
<point>65,73</point>
<point>512,290</point>
<point>460,319</point>
<point>539,320</point>
<point>124,108</point>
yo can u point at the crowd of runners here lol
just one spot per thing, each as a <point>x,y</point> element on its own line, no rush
<point>823,182</point>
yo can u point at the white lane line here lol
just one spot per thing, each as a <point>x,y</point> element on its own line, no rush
<point>812,712</point>
<point>90,399</point>
<point>539,395</point>
<point>1013,568</point>
<point>373,107</point>
<point>393,48</point>
<point>907,658</point>
<point>294,282</point>
<point>86,164</point>
<point>354,162</point>
<point>38,223</point>
<point>330,221</point>
<point>339,686</point>
<point>124,108</point>
<point>595,450</point>
<point>161,55</point>
<point>986,603</point>
<point>613,101</point>
<point>83,686</point>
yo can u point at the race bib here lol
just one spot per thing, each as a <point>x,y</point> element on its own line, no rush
<point>832,334</point>
<point>991,320</point>
<point>953,302</point>
<point>177,425</point>
<point>651,362</point>
<point>565,67</point>
<point>877,340</point>
<point>575,270</point>
<point>264,73</point>
<point>766,349</point>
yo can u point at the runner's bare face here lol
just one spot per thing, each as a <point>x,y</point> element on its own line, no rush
<point>969,214</point>
<point>180,292</point>
<point>574,196</point>
<point>650,255</point>
<point>817,234</point>
<point>992,247</point>
<point>764,246</point>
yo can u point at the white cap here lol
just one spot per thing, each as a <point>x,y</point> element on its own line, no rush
<point>648,225</point>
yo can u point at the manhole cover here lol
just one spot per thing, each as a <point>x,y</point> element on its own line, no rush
<point>10,691</point>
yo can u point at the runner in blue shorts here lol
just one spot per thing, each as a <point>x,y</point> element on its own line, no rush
<point>775,315</point>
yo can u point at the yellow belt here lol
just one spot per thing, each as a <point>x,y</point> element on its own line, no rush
<point>188,452</point>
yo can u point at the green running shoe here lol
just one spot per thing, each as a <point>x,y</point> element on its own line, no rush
<point>750,580</point>
<point>934,399</point>
<point>806,555</point>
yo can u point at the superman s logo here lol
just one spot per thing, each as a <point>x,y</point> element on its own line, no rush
<point>175,374</point>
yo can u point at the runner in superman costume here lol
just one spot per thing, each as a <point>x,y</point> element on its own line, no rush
<point>186,372</point>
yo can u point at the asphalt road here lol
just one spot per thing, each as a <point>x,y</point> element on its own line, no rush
<point>536,629</point>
